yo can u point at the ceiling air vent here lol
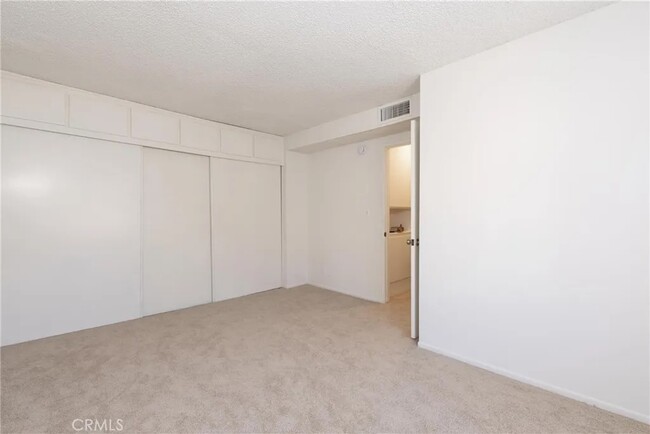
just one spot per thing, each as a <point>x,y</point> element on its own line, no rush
<point>396,110</point>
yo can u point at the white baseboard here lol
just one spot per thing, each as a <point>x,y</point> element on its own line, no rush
<point>542,385</point>
<point>340,291</point>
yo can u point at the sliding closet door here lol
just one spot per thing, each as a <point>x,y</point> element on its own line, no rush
<point>70,233</point>
<point>246,228</point>
<point>176,231</point>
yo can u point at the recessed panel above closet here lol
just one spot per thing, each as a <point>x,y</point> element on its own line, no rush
<point>269,147</point>
<point>99,114</point>
<point>236,142</point>
<point>200,135</point>
<point>27,100</point>
<point>154,125</point>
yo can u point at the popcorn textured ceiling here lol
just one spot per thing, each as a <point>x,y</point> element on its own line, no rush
<point>276,67</point>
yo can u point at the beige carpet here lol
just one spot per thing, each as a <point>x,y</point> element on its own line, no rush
<point>302,360</point>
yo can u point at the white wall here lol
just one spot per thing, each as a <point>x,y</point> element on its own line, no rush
<point>296,212</point>
<point>346,218</point>
<point>534,209</point>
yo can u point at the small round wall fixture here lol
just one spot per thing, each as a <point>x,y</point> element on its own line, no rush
<point>361,150</point>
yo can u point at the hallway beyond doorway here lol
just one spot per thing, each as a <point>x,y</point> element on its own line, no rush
<point>400,288</point>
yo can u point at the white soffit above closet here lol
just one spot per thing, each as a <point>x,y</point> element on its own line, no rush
<point>277,67</point>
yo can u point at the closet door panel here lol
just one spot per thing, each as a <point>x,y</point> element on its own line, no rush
<point>70,233</point>
<point>246,228</point>
<point>176,231</point>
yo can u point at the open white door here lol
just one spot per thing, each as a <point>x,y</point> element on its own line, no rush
<point>415,226</point>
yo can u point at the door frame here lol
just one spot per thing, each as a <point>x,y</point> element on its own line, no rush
<point>415,228</point>
<point>415,189</point>
<point>387,217</point>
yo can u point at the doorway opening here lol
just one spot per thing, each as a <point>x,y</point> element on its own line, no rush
<point>401,225</point>
<point>398,258</point>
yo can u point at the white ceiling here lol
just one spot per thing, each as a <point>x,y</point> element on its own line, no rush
<point>270,66</point>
